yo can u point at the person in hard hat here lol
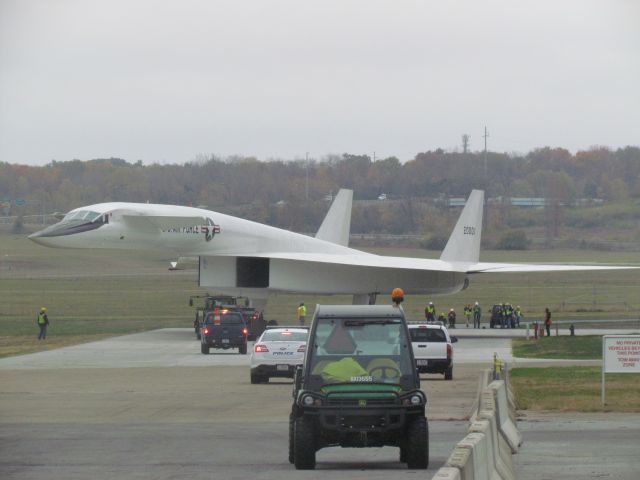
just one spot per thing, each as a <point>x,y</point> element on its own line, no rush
<point>503,315</point>
<point>518,315</point>
<point>467,313</point>
<point>302,313</point>
<point>477,314</point>
<point>509,316</point>
<point>43,323</point>
<point>452,318</point>
<point>397,296</point>
<point>430,312</point>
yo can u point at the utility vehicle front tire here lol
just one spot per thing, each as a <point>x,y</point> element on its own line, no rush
<point>292,424</point>
<point>304,444</point>
<point>418,444</point>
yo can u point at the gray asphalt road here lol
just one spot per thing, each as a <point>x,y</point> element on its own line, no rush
<point>194,450</point>
<point>152,406</point>
<point>178,347</point>
<point>580,446</point>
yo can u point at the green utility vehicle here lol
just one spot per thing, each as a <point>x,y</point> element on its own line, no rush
<point>358,387</point>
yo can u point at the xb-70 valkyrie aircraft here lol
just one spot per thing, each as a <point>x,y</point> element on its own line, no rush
<point>245,258</point>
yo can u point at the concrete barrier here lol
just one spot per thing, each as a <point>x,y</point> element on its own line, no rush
<point>447,473</point>
<point>462,460</point>
<point>488,412</point>
<point>485,453</point>
<point>486,377</point>
<point>498,467</point>
<point>505,424</point>
<point>476,443</point>
<point>510,396</point>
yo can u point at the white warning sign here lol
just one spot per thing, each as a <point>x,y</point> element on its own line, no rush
<point>621,353</point>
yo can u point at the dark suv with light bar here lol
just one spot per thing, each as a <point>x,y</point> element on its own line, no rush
<point>358,387</point>
<point>223,328</point>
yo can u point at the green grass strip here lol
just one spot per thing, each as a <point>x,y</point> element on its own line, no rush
<point>587,347</point>
<point>574,389</point>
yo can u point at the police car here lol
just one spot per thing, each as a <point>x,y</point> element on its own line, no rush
<point>277,352</point>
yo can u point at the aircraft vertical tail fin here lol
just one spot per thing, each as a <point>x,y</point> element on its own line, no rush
<point>464,242</point>
<point>336,225</point>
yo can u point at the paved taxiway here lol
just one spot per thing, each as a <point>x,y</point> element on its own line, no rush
<point>178,347</point>
<point>150,405</point>
<point>578,446</point>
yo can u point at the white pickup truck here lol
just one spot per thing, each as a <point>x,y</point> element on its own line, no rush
<point>432,348</point>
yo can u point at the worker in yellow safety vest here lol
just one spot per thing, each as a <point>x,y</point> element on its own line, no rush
<point>43,323</point>
<point>430,312</point>
<point>302,313</point>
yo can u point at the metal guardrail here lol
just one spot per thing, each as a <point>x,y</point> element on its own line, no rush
<point>557,323</point>
<point>30,219</point>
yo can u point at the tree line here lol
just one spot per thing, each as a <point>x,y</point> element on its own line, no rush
<point>293,194</point>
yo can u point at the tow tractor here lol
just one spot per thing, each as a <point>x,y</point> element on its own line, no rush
<point>253,317</point>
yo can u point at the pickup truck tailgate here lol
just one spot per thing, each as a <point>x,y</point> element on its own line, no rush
<point>428,344</point>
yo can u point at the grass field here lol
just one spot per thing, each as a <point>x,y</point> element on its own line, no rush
<point>92,293</point>
<point>574,389</point>
<point>588,347</point>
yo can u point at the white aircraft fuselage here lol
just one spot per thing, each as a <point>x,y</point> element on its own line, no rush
<point>185,231</point>
<point>242,257</point>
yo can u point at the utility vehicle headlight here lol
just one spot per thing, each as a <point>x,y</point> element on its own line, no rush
<point>414,399</point>
<point>307,400</point>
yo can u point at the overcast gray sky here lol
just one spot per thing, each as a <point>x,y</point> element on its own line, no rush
<point>165,81</point>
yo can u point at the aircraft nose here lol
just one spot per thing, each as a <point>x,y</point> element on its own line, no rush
<point>37,238</point>
<point>58,235</point>
<point>44,236</point>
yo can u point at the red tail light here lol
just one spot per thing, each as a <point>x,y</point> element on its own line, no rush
<point>449,351</point>
<point>254,317</point>
<point>261,348</point>
<point>245,331</point>
<point>302,348</point>
<point>206,331</point>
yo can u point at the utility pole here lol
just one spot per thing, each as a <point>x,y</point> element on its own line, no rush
<point>486,181</point>
<point>486,135</point>
<point>465,143</point>
<point>306,185</point>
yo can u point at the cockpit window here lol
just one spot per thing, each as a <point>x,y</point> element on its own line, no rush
<point>84,215</point>
<point>70,216</point>
<point>91,216</point>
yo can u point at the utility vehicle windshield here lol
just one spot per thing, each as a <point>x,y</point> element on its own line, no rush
<point>360,351</point>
